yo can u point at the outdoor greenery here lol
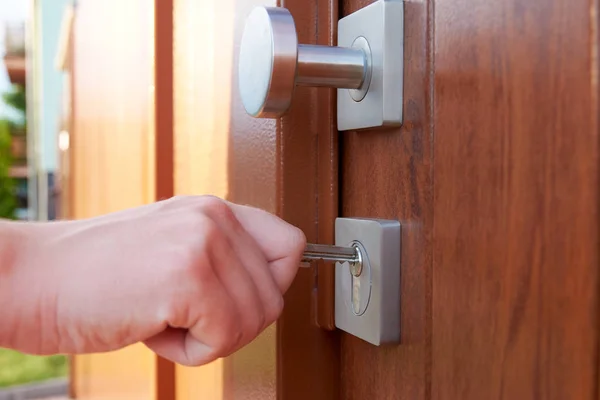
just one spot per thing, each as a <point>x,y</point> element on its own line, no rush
<point>18,368</point>
<point>17,99</point>
<point>8,201</point>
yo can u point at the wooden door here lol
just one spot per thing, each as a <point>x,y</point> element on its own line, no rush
<point>494,175</point>
<point>274,165</point>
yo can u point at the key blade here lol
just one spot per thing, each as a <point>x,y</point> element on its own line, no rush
<point>329,253</point>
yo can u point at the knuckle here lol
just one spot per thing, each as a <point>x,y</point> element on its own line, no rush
<point>179,198</point>
<point>297,236</point>
<point>211,203</point>
<point>229,338</point>
<point>274,309</point>
<point>175,201</point>
<point>209,228</point>
<point>204,234</point>
<point>217,209</point>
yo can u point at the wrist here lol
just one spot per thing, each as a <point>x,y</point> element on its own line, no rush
<point>13,243</point>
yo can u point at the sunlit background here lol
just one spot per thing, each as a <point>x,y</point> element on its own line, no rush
<point>29,133</point>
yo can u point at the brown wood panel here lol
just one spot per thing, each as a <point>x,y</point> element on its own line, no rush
<point>163,98</point>
<point>327,177</point>
<point>515,284</point>
<point>113,155</point>
<point>276,165</point>
<point>386,173</point>
<point>162,110</point>
<point>307,184</point>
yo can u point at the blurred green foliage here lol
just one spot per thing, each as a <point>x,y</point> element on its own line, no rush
<point>8,201</point>
<point>16,98</point>
<point>18,368</point>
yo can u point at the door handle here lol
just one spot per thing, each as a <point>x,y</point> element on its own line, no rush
<point>272,63</point>
<point>366,67</point>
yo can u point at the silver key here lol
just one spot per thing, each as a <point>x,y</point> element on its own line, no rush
<point>325,252</point>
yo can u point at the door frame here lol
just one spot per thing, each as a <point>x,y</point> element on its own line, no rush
<point>308,345</point>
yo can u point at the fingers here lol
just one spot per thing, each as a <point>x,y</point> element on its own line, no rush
<point>235,288</point>
<point>252,258</point>
<point>179,346</point>
<point>239,285</point>
<point>276,238</point>
<point>253,261</point>
<point>204,323</point>
<point>281,243</point>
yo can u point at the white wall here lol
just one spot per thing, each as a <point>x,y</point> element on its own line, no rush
<point>51,15</point>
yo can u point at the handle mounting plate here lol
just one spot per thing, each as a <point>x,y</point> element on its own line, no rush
<point>382,25</point>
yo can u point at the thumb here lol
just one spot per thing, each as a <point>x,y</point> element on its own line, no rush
<point>179,346</point>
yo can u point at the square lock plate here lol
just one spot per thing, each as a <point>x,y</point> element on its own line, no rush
<point>381,24</point>
<point>368,306</point>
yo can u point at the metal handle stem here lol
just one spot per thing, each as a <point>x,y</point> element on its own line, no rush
<point>327,66</point>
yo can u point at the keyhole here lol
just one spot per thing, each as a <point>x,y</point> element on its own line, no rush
<point>356,293</point>
<point>359,288</point>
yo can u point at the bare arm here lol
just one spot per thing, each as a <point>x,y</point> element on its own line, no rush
<point>194,278</point>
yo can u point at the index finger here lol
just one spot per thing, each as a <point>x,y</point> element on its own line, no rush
<point>281,243</point>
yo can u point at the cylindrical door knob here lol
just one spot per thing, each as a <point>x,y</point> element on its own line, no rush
<point>272,63</point>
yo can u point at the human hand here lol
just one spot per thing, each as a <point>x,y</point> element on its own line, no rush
<point>195,278</point>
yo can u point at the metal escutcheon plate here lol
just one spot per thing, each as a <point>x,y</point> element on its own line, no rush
<point>381,25</point>
<point>368,306</point>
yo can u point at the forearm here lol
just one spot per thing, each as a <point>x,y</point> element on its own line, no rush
<point>12,240</point>
<point>20,281</point>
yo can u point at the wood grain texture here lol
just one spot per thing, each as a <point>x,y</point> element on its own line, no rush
<point>387,174</point>
<point>515,284</point>
<point>327,175</point>
<point>112,152</point>
<point>307,187</point>
<point>162,110</point>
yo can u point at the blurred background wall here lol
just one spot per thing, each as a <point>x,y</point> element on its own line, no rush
<point>30,89</point>
<point>48,86</point>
